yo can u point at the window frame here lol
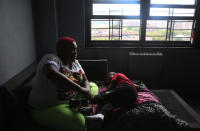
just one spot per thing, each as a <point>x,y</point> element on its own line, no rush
<point>144,16</point>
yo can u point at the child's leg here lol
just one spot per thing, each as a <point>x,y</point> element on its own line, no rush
<point>115,102</point>
<point>122,95</point>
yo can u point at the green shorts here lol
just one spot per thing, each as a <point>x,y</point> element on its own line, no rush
<point>62,117</point>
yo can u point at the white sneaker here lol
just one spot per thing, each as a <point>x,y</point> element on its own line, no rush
<point>94,122</point>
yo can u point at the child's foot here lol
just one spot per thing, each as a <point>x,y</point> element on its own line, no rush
<point>94,122</point>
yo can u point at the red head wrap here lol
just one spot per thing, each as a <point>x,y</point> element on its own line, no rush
<point>64,41</point>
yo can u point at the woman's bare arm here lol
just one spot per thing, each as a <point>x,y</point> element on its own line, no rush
<point>86,83</point>
<point>60,79</point>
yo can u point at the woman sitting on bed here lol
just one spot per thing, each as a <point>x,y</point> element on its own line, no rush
<point>59,78</point>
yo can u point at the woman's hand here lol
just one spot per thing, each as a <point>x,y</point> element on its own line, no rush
<point>86,92</point>
<point>55,76</point>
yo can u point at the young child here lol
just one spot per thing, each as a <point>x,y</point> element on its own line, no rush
<point>117,98</point>
<point>121,91</point>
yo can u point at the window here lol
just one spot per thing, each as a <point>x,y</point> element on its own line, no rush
<point>140,22</point>
<point>115,29</point>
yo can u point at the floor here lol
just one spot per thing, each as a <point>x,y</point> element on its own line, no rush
<point>195,106</point>
<point>193,102</point>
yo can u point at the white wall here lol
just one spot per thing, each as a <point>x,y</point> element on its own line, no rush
<point>17,46</point>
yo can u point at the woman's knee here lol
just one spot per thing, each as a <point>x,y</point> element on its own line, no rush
<point>94,88</point>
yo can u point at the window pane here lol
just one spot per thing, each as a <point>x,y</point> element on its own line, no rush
<point>115,24</point>
<point>182,33</point>
<point>156,24</point>
<point>131,31</point>
<point>100,32</point>
<point>156,30</point>
<point>115,32</point>
<point>177,2</point>
<point>115,29</point>
<point>181,39</point>
<point>115,1</point>
<point>155,38</point>
<point>116,9</point>
<point>180,24</point>
<point>155,34</point>
<point>182,30</point>
<point>135,23</point>
<point>171,12</point>
<point>100,23</point>
<point>115,38</point>
<point>100,38</point>
<point>159,11</point>
<point>182,12</point>
<point>130,37</point>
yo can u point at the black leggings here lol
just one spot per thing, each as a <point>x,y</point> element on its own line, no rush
<point>122,96</point>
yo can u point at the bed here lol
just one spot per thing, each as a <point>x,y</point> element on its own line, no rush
<point>173,109</point>
<point>14,95</point>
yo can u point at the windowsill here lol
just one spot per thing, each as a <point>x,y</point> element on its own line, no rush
<point>131,47</point>
<point>128,45</point>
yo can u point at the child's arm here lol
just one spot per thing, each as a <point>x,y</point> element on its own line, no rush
<point>112,84</point>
